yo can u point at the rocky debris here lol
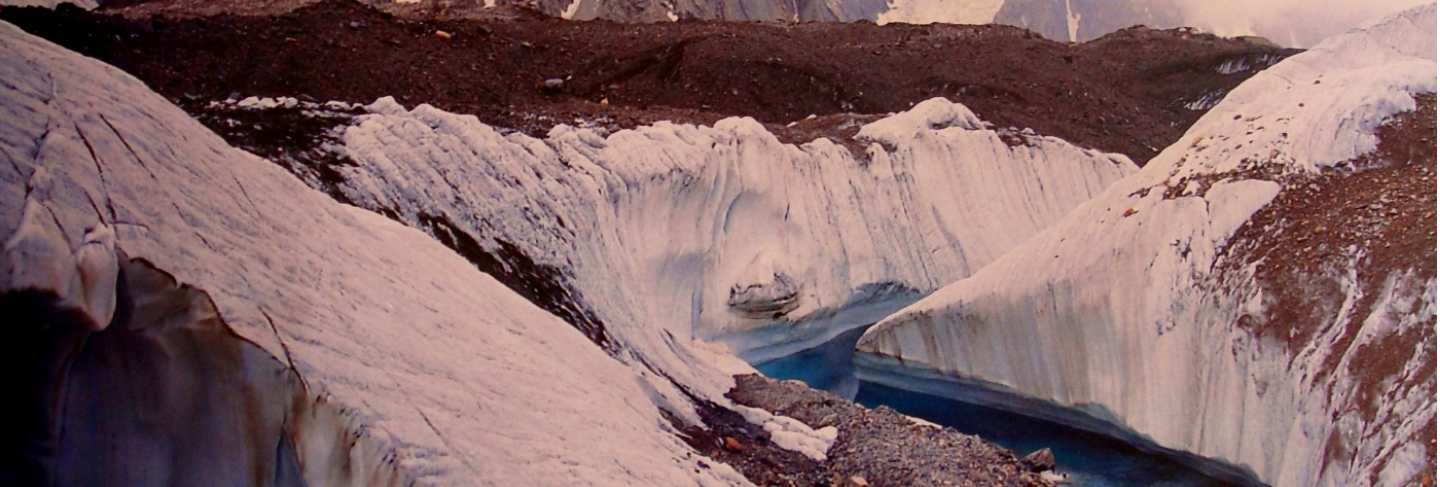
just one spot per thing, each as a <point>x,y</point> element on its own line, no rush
<point>1379,207</point>
<point>287,131</point>
<point>1039,460</point>
<point>1123,93</point>
<point>1376,215</point>
<point>729,438</point>
<point>552,85</point>
<point>882,447</point>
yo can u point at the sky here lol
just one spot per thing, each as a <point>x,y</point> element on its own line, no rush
<point>1300,23</point>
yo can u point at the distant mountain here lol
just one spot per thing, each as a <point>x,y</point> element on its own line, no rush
<point>1083,20</point>
<point>86,4</point>
<point>1288,23</point>
<point>1294,23</point>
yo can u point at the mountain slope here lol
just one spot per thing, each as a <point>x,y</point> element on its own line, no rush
<point>1262,292</point>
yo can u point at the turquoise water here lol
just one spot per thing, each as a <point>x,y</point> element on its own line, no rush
<point>1086,458</point>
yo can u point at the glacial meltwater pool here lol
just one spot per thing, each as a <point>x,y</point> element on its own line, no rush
<point>1087,459</point>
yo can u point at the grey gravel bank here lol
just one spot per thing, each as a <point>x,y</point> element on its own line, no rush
<point>883,447</point>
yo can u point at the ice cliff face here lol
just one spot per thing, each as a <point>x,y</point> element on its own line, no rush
<point>418,369</point>
<point>724,233</point>
<point>1170,306</point>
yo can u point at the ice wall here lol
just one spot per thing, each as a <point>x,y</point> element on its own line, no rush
<point>726,233</point>
<point>1131,308</point>
<point>420,370</point>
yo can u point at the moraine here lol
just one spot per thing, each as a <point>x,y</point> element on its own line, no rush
<point>1085,458</point>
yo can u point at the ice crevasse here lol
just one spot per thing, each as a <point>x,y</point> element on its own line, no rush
<point>724,233</point>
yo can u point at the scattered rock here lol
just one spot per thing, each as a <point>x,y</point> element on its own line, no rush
<point>552,85</point>
<point>1039,460</point>
<point>884,445</point>
<point>806,70</point>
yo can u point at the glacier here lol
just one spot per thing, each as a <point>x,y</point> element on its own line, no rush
<point>676,232</point>
<point>1137,311</point>
<point>648,259</point>
<point>412,365</point>
<point>420,369</point>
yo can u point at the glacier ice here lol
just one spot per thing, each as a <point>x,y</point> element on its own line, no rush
<point>1118,309</point>
<point>725,233</point>
<point>420,369</point>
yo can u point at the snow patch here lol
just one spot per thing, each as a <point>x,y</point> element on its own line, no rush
<point>570,10</point>
<point>791,434</point>
<point>929,115</point>
<point>1072,22</point>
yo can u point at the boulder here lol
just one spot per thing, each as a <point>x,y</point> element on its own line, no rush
<point>1039,460</point>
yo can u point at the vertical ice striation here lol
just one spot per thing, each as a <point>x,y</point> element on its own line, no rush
<point>419,369</point>
<point>724,232</point>
<point>1149,307</point>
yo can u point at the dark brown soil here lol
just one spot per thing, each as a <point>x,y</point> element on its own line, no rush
<point>1123,93</point>
<point>1380,207</point>
<point>729,438</point>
